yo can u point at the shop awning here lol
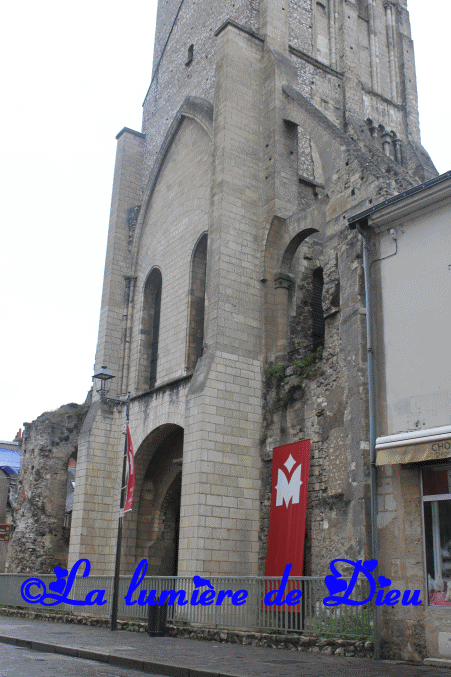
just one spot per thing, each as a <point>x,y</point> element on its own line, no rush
<point>413,447</point>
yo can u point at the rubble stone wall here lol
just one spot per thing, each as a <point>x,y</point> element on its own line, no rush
<point>39,542</point>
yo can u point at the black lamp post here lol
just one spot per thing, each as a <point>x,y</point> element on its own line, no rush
<point>104,375</point>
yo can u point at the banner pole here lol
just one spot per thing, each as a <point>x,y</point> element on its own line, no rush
<point>117,567</point>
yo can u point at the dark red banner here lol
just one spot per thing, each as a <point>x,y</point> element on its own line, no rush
<point>290,470</point>
<point>131,473</point>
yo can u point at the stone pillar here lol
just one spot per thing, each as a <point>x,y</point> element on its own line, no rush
<point>333,28</point>
<point>219,519</point>
<point>274,23</point>
<point>124,202</point>
<point>398,149</point>
<point>97,488</point>
<point>403,628</point>
<point>372,129</point>
<point>408,84</point>
<point>130,286</point>
<point>374,49</point>
<point>387,143</point>
<point>390,25</point>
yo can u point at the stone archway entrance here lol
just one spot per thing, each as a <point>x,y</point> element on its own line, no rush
<point>158,518</point>
<point>165,554</point>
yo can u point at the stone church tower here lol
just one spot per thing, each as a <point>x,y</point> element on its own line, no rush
<point>233,306</point>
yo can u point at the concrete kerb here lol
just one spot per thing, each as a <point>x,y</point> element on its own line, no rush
<point>91,655</point>
<point>113,659</point>
<point>8,640</point>
<point>24,643</point>
<point>438,662</point>
<point>66,650</point>
<point>170,670</point>
<point>127,662</point>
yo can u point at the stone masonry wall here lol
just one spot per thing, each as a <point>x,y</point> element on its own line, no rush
<point>300,15</point>
<point>175,78</point>
<point>38,543</point>
<point>325,401</point>
<point>175,220</point>
<point>390,100</point>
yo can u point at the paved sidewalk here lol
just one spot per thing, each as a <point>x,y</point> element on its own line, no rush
<point>190,658</point>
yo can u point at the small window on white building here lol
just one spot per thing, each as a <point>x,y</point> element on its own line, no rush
<point>437,534</point>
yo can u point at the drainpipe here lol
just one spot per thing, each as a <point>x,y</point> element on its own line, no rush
<point>372,427</point>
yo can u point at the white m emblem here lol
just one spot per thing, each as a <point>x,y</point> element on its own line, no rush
<point>288,490</point>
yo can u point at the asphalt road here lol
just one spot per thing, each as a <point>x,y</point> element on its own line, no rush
<point>18,662</point>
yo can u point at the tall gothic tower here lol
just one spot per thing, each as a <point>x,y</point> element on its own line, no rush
<point>266,123</point>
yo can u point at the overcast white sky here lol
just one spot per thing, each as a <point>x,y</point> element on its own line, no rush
<point>73,76</point>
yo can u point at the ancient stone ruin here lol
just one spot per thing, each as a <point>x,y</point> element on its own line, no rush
<point>42,524</point>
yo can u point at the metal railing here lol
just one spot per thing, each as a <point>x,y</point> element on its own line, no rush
<point>309,616</point>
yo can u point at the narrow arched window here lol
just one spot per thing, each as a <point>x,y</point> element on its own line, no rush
<point>150,329</point>
<point>197,303</point>
<point>318,325</point>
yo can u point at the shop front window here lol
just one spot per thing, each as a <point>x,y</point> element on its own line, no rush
<point>437,534</point>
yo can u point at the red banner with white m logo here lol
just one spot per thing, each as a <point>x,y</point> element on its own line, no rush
<point>290,470</point>
<point>131,473</point>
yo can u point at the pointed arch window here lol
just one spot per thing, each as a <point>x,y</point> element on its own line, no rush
<point>150,329</point>
<point>197,303</point>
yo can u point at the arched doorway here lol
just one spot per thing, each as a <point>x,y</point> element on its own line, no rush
<point>165,555</point>
<point>296,308</point>
<point>158,515</point>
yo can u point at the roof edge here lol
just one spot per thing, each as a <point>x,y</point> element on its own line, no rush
<point>352,222</point>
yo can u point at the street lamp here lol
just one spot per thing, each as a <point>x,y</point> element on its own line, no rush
<point>103,375</point>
